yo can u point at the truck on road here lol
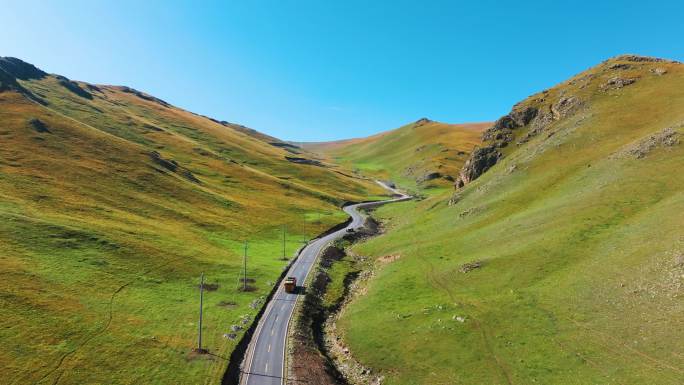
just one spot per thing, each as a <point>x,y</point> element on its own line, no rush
<point>290,284</point>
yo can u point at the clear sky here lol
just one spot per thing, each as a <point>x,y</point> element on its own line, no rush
<point>321,70</point>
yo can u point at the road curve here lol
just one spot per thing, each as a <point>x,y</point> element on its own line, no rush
<point>264,363</point>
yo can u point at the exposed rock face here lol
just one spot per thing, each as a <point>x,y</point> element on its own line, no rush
<point>499,136</point>
<point>470,266</point>
<point>620,66</point>
<point>539,113</point>
<point>658,71</point>
<point>565,107</point>
<point>615,83</point>
<point>480,161</point>
<point>668,137</point>
<point>538,117</point>
<point>501,131</point>
<point>639,59</point>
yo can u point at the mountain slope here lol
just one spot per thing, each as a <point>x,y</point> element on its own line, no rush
<point>561,260</point>
<point>418,155</point>
<point>113,203</point>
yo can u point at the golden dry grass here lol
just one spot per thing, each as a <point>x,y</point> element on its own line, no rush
<point>101,246</point>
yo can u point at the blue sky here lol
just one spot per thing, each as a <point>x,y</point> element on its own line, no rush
<point>321,70</point>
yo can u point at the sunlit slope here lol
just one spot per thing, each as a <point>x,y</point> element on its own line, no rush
<point>421,154</point>
<point>579,233</point>
<point>112,203</point>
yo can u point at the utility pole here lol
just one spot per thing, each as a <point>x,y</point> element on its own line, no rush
<point>199,340</point>
<point>244,269</point>
<point>284,229</point>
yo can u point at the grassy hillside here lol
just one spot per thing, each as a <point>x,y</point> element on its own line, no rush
<point>563,263</point>
<point>423,154</point>
<point>112,203</point>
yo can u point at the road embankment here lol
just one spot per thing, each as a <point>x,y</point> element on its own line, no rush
<point>311,357</point>
<point>234,369</point>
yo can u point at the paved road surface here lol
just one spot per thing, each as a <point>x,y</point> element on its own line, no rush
<point>266,352</point>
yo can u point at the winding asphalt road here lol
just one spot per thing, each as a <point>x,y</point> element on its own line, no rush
<point>264,363</point>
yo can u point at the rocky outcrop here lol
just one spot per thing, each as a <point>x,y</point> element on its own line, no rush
<point>668,137</point>
<point>470,266</point>
<point>481,160</point>
<point>565,107</point>
<point>537,113</point>
<point>658,71</point>
<point>616,83</point>
<point>640,59</point>
<point>540,112</point>
<point>502,130</point>
<point>620,66</point>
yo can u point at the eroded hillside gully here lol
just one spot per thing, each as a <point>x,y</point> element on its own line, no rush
<point>316,353</point>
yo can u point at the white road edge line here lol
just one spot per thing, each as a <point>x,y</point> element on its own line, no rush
<point>269,307</point>
<point>257,331</point>
<point>294,305</point>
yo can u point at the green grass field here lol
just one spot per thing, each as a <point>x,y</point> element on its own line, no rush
<point>102,243</point>
<point>582,253</point>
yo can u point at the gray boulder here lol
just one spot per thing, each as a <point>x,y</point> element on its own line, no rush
<point>616,83</point>
<point>481,160</point>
